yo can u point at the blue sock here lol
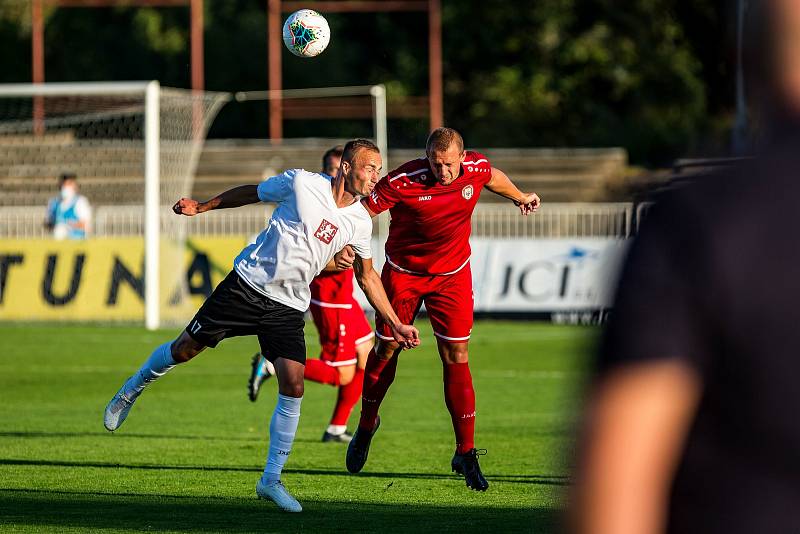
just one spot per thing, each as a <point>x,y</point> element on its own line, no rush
<point>282,428</point>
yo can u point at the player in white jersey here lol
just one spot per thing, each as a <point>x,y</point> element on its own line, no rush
<point>267,291</point>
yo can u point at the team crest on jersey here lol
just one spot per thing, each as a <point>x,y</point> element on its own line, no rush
<point>325,232</point>
<point>467,192</point>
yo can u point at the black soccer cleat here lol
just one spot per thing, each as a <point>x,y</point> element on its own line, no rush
<point>358,449</point>
<point>467,464</point>
<point>344,437</point>
<point>260,370</point>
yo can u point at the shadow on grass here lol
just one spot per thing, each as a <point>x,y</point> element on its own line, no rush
<point>39,510</point>
<point>546,480</point>
<point>105,434</point>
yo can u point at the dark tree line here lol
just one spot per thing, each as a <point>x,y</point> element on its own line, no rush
<point>654,76</point>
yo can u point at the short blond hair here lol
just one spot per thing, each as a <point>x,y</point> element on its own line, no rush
<point>442,138</point>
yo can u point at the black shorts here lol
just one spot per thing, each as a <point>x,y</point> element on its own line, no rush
<point>236,309</point>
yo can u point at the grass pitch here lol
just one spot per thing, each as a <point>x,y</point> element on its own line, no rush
<point>189,455</point>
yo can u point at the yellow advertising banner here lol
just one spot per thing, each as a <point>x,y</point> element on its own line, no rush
<point>103,279</point>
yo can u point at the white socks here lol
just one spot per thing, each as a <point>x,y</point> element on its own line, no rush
<point>159,362</point>
<point>336,430</point>
<point>282,429</point>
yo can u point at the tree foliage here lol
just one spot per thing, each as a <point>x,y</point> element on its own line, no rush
<point>650,75</point>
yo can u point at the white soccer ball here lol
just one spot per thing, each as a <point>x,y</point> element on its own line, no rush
<point>306,33</point>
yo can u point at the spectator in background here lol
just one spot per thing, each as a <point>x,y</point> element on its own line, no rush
<point>692,423</point>
<point>69,215</point>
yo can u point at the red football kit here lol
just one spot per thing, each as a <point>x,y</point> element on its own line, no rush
<point>428,252</point>
<point>339,319</point>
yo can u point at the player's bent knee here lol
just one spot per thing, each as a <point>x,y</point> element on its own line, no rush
<point>346,374</point>
<point>386,349</point>
<point>185,348</point>
<point>291,390</point>
<point>454,352</point>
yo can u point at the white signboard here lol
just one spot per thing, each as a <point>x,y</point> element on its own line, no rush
<point>542,275</point>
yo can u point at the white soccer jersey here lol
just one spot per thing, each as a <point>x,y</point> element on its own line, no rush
<point>304,233</point>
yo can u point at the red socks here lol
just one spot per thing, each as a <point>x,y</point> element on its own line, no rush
<point>378,376</point>
<point>347,398</point>
<point>319,371</point>
<point>459,396</point>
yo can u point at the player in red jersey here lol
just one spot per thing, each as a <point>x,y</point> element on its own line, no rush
<point>431,201</point>
<point>344,334</point>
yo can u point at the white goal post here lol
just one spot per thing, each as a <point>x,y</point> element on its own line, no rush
<point>139,142</point>
<point>377,92</point>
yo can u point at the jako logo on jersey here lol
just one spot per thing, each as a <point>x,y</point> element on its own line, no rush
<point>325,232</point>
<point>467,192</point>
<point>424,198</point>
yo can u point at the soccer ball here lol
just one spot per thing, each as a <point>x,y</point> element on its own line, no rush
<point>306,33</point>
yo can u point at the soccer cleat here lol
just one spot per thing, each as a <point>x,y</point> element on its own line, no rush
<point>467,464</point>
<point>344,437</point>
<point>260,370</point>
<point>277,493</point>
<point>358,449</point>
<point>117,410</point>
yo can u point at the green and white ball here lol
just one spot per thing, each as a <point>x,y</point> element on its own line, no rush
<point>306,33</point>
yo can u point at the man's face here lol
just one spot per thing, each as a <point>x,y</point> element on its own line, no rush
<point>446,165</point>
<point>331,167</point>
<point>364,173</point>
<point>69,188</point>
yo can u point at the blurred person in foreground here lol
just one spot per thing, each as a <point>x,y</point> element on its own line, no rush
<point>691,424</point>
<point>69,215</point>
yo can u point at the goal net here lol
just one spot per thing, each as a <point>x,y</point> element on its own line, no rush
<point>134,148</point>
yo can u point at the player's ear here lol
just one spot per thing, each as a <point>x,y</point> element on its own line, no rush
<point>344,167</point>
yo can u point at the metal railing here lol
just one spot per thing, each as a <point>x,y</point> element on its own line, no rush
<point>489,220</point>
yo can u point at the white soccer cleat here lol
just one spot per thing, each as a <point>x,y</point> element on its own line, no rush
<point>277,493</point>
<point>117,410</point>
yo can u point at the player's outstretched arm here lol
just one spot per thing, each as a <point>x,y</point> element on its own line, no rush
<point>232,198</point>
<point>502,185</point>
<point>370,283</point>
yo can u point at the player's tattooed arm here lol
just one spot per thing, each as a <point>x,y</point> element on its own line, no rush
<point>502,185</point>
<point>370,282</point>
<point>232,198</point>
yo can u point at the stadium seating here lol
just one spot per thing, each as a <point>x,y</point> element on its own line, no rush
<point>558,175</point>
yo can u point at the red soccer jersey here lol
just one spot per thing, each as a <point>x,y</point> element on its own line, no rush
<point>431,223</point>
<point>333,287</point>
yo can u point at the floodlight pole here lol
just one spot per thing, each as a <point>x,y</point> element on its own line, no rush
<point>196,30</point>
<point>435,94</point>
<point>739,137</point>
<point>274,38</point>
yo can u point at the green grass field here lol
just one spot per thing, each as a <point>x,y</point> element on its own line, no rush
<point>189,455</point>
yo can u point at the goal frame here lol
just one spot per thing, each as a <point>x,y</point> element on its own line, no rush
<point>150,91</point>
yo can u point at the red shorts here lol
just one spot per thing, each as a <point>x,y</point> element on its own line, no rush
<point>447,298</point>
<point>341,327</point>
